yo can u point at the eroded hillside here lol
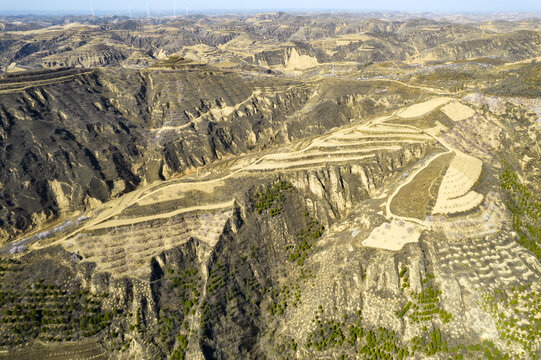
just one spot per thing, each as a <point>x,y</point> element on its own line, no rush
<point>298,201</point>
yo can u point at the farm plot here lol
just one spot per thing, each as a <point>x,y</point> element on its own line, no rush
<point>488,219</point>
<point>141,219</point>
<point>393,236</point>
<point>83,350</point>
<point>477,135</point>
<point>358,143</point>
<point>177,191</point>
<point>307,163</point>
<point>489,261</point>
<point>379,133</point>
<point>416,198</point>
<point>425,121</point>
<point>127,250</point>
<point>457,111</point>
<point>45,310</point>
<point>423,108</point>
<point>454,195</point>
<point>388,143</point>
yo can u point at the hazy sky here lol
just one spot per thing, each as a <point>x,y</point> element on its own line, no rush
<point>122,6</point>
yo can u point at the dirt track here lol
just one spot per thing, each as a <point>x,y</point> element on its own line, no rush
<point>320,151</point>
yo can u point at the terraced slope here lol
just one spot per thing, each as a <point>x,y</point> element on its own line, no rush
<point>101,133</point>
<point>257,188</point>
<point>328,202</point>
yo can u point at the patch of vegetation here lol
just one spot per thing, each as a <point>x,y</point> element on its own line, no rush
<point>525,82</point>
<point>205,314</point>
<point>423,305</point>
<point>188,284</point>
<point>305,239</point>
<point>426,305</point>
<point>51,313</point>
<point>484,350</point>
<point>286,347</point>
<point>404,309</point>
<point>180,299</point>
<point>350,336</point>
<point>216,278</point>
<point>431,347</point>
<point>516,313</point>
<point>403,275</point>
<point>379,343</point>
<point>382,344</point>
<point>271,198</point>
<point>179,353</point>
<point>290,294</point>
<point>525,210</point>
<point>328,333</point>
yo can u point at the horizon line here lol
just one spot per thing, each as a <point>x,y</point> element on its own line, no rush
<point>165,12</point>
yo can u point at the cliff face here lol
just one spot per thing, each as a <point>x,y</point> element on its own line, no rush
<point>264,278</point>
<point>262,203</point>
<point>73,139</point>
<point>242,260</point>
<point>64,147</point>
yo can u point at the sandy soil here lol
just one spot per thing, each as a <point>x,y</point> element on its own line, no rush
<point>460,204</point>
<point>324,155</point>
<point>28,84</point>
<point>457,111</point>
<point>344,40</point>
<point>387,129</point>
<point>393,236</point>
<point>129,251</point>
<point>414,199</point>
<point>490,218</point>
<point>296,61</point>
<point>321,147</point>
<point>436,130</point>
<point>423,108</point>
<point>285,165</point>
<point>460,177</point>
<point>364,135</point>
<point>387,143</point>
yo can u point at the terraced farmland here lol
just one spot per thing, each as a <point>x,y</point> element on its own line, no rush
<point>455,195</point>
<point>418,197</point>
<point>106,243</point>
<point>84,350</point>
<point>270,186</point>
<point>368,217</point>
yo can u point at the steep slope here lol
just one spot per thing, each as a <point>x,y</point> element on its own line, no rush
<point>281,187</point>
<point>297,252</point>
<point>73,139</point>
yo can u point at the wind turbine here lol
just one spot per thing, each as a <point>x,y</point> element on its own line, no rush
<point>148,11</point>
<point>92,9</point>
<point>175,9</point>
<point>130,13</point>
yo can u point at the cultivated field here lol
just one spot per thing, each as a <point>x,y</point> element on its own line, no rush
<point>454,195</point>
<point>126,250</point>
<point>417,198</point>
<point>393,236</point>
